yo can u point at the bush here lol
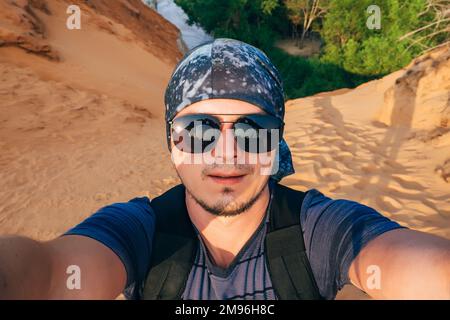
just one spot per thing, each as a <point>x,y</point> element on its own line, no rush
<point>304,77</point>
<point>352,53</point>
<point>358,49</point>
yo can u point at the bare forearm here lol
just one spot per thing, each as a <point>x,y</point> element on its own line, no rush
<point>424,275</point>
<point>417,278</point>
<point>25,268</point>
<point>409,265</point>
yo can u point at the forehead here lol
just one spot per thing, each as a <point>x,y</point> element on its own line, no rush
<point>221,106</point>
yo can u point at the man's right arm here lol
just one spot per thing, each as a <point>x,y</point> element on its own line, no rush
<point>39,270</point>
<point>107,252</point>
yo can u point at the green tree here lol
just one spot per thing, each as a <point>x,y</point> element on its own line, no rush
<point>268,6</point>
<point>258,22</point>
<point>304,13</point>
<point>349,43</point>
<point>352,53</point>
<point>434,27</point>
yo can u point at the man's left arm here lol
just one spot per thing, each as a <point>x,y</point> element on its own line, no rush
<point>403,264</point>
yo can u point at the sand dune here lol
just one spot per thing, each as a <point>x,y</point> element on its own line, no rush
<point>81,123</point>
<point>385,144</point>
<point>85,129</point>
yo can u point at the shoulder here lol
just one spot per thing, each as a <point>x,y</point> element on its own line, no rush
<point>334,232</point>
<point>120,217</point>
<point>134,206</point>
<point>335,219</point>
<point>140,203</point>
<point>317,205</point>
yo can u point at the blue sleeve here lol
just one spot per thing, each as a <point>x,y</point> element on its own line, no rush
<point>127,229</point>
<point>335,231</point>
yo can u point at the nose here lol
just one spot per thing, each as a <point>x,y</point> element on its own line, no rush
<point>226,147</point>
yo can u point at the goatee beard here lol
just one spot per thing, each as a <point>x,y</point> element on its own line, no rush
<point>219,209</point>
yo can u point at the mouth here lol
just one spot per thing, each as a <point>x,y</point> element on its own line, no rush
<point>226,179</point>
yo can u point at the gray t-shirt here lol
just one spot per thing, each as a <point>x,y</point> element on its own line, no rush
<point>334,232</point>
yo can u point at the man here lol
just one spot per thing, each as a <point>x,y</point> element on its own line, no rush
<point>230,231</point>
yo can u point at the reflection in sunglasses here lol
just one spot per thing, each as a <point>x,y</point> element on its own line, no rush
<point>199,146</point>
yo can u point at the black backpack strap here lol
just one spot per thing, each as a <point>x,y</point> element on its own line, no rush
<point>174,247</point>
<point>288,264</point>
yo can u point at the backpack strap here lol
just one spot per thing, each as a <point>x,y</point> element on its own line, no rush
<point>174,247</point>
<point>288,264</point>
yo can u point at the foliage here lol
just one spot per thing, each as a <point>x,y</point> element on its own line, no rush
<point>352,52</point>
<point>359,49</point>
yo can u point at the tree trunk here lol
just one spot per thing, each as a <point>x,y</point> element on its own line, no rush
<point>237,19</point>
<point>302,38</point>
<point>295,29</point>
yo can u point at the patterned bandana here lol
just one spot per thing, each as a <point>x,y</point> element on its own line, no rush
<point>229,69</point>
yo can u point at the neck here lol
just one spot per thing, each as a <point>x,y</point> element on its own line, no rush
<point>225,236</point>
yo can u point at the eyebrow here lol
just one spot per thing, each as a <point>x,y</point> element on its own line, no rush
<point>220,114</point>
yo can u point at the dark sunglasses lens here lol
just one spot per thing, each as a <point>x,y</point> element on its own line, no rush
<point>195,134</point>
<point>258,133</point>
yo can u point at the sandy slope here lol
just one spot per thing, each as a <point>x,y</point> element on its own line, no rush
<point>383,144</point>
<point>81,124</point>
<point>82,130</point>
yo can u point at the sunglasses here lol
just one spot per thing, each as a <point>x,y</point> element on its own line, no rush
<point>199,133</point>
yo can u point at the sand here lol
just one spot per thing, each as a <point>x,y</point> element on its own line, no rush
<point>85,129</point>
<point>81,124</point>
<point>383,144</point>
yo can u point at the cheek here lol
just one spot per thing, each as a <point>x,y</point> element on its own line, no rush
<point>190,173</point>
<point>264,164</point>
<point>258,179</point>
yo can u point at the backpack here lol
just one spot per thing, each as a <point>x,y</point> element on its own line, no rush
<point>175,245</point>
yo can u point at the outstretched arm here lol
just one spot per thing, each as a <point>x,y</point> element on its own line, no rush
<point>404,264</point>
<point>110,250</point>
<point>39,270</point>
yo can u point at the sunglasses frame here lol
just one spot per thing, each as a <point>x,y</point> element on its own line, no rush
<point>219,121</point>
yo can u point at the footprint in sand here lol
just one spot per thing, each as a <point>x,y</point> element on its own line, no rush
<point>102,196</point>
<point>388,204</point>
<point>369,168</point>
<point>408,182</point>
<point>330,174</point>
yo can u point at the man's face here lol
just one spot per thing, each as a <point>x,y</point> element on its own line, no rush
<point>226,180</point>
